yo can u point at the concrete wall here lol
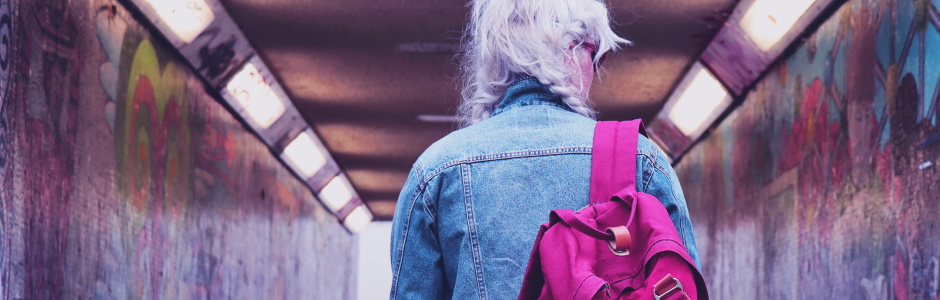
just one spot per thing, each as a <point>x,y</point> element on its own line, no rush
<point>121,178</point>
<point>824,184</point>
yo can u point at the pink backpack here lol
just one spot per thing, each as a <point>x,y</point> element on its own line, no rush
<point>621,246</point>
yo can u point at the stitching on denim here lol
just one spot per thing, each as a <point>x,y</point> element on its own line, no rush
<point>507,155</point>
<point>529,103</point>
<point>404,240</point>
<point>424,202</point>
<point>529,153</point>
<point>675,198</point>
<point>421,188</point>
<point>425,179</point>
<point>471,230</point>
<point>431,213</point>
<point>646,180</point>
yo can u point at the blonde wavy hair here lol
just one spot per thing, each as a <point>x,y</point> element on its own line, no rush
<point>508,39</point>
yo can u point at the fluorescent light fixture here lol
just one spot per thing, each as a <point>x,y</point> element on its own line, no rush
<point>336,193</point>
<point>304,155</point>
<point>186,19</point>
<point>358,219</point>
<point>256,99</point>
<point>767,21</point>
<point>698,102</point>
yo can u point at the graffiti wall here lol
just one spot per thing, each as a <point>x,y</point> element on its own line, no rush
<point>824,184</point>
<point>121,178</point>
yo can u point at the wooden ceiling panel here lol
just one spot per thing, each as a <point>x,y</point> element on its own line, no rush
<point>348,23</point>
<point>378,180</point>
<point>382,139</point>
<point>382,209</point>
<point>396,83</point>
<point>633,83</point>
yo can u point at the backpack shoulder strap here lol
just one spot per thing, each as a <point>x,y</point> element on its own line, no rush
<point>613,158</point>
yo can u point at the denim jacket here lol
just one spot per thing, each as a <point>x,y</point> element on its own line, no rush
<point>468,215</point>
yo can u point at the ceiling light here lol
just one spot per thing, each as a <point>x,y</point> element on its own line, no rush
<point>699,101</point>
<point>336,193</point>
<point>358,219</point>
<point>186,19</point>
<point>252,94</point>
<point>767,21</point>
<point>304,155</point>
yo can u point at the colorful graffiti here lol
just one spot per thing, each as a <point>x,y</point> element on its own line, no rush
<point>829,166</point>
<point>6,65</point>
<point>154,157</point>
<point>218,58</point>
<point>6,47</point>
<point>48,125</point>
<point>143,186</point>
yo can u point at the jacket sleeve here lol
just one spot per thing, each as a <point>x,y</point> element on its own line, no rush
<point>417,262</point>
<point>656,177</point>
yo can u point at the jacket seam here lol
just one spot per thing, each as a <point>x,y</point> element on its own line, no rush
<point>648,161</point>
<point>471,230</point>
<point>501,156</point>
<point>421,188</point>
<point>672,190</point>
<point>424,203</point>
<point>404,240</point>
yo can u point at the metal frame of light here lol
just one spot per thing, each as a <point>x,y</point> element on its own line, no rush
<point>737,58</point>
<point>699,98</point>
<point>697,102</point>
<point>180,21</point>
<point>245,84</point>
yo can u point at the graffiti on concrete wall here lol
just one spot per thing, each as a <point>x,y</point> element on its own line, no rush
<point>6,65</point>
<point>848,123</point>
<point>6,47</point>
<point>180,158</point>
<point>216,59</point>
<point>122,178</point>
<point>37,230</point>
<point>154,157</point>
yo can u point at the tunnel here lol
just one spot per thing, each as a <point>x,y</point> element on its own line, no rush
<point>264,149</point>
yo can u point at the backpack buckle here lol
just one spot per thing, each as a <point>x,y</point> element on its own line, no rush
<point>620,245</point>
<point>667,286</point>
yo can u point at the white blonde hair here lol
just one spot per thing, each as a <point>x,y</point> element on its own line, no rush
<point>508,39</point>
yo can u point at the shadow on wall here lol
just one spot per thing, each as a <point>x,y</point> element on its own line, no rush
<point>824,183</point>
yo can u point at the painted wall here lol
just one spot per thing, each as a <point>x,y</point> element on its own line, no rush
<point>120,178</point>
<point>825,183</point>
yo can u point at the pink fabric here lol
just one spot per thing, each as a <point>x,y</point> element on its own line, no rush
<point>571,258</point>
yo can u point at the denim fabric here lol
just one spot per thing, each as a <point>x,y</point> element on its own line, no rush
<point>470,210</point>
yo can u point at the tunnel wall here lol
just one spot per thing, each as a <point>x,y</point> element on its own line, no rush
<point>824,183</point>
<point>121,178</point>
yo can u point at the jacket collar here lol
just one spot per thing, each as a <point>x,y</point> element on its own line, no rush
<point>527,91</point>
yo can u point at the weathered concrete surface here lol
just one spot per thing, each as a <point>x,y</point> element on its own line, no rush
<point>121,178</point>
<point>824,184</point>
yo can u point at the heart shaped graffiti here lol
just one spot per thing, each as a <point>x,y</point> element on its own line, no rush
<point>153,143</point>
<point>154,159</point>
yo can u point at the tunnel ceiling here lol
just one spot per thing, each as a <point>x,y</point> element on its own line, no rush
<point>361,71</point>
